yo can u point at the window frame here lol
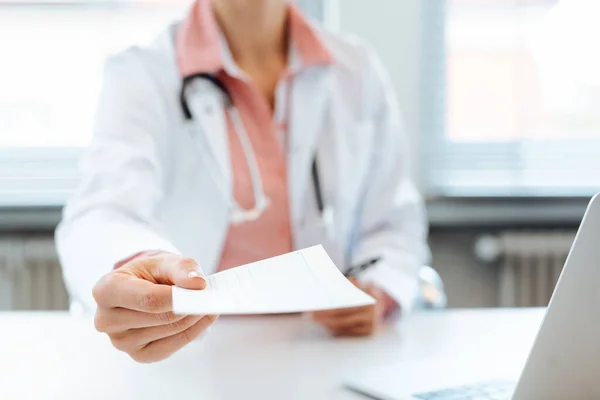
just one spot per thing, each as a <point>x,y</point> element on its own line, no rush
<point>34,177</point>
<point>45,177</point>
<point>486,161</point>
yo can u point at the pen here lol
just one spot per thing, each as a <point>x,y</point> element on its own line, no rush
<point>354,271</point>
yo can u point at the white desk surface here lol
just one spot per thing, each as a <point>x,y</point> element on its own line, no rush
<point>56,356</point>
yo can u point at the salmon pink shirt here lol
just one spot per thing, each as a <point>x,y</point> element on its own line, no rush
<point>201,48</point>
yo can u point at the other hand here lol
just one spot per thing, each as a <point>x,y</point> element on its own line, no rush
<point>355,321</point>
<point>135,306</point>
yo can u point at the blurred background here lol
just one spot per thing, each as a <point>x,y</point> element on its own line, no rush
<point>501,101</point>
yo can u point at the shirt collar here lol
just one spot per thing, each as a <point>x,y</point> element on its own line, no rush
<point>202,48</point>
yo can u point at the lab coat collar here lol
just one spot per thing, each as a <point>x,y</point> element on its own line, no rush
<point>197,41</point>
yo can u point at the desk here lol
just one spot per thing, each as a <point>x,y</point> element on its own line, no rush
<point>56,356</point>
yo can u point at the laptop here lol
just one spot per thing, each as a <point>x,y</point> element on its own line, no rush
<point>564,362</point>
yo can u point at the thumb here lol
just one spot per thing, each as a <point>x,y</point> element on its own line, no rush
<point>171,269</point>
<point>183,272</point>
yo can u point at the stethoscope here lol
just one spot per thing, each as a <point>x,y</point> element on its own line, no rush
<point>238,214</point>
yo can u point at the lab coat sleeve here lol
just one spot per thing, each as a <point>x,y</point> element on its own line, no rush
<point>112,215</point>
<point>392,222</point>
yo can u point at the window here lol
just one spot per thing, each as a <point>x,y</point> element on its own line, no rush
<point>52,59</point>
<point>511,105</point>
<point>52,54</point>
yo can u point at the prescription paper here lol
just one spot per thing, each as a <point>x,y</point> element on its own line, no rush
<point>304,280</point>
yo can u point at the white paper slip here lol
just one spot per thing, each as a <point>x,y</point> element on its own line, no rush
<point>304,280</point>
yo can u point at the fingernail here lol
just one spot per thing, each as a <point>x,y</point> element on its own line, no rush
<point>195,274</point>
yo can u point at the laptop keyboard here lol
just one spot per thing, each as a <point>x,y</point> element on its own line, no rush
<point>496,390</point>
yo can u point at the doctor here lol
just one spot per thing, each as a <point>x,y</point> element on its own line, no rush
<point>241,133</point>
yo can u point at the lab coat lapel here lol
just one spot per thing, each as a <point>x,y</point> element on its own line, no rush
<point>209,129</point>
<point>309,108</point>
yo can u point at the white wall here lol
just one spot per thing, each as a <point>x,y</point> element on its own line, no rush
<point>393,27</point>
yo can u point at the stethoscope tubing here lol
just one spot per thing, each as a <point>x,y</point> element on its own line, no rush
<point>230,106</point>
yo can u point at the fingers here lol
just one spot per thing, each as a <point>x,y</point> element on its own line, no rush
<point>144,283</point>
<point>115,320</point>
<point>171,269</point>
<point>356,331</point>
<point>358,325</point>
<point>165,347</point>
<point>357,321</point>
<point>135,339</point>
<point>135,305</point>
<point>320,316</point>
<point>349,320</point>
<point>336,313</point>
<point>127,291</point>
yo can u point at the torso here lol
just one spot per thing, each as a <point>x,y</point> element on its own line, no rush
<point>189,193</point>
<point>271,234</point>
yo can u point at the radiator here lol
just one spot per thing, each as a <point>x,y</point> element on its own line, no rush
<point>529,263</point>
<point>30,276</point>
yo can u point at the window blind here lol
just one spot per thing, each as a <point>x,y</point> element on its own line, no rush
<point>50,76</point>
<point>499,118</point>
<point>46,113</point>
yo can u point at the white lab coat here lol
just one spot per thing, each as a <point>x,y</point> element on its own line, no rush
<point>151,178</point>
